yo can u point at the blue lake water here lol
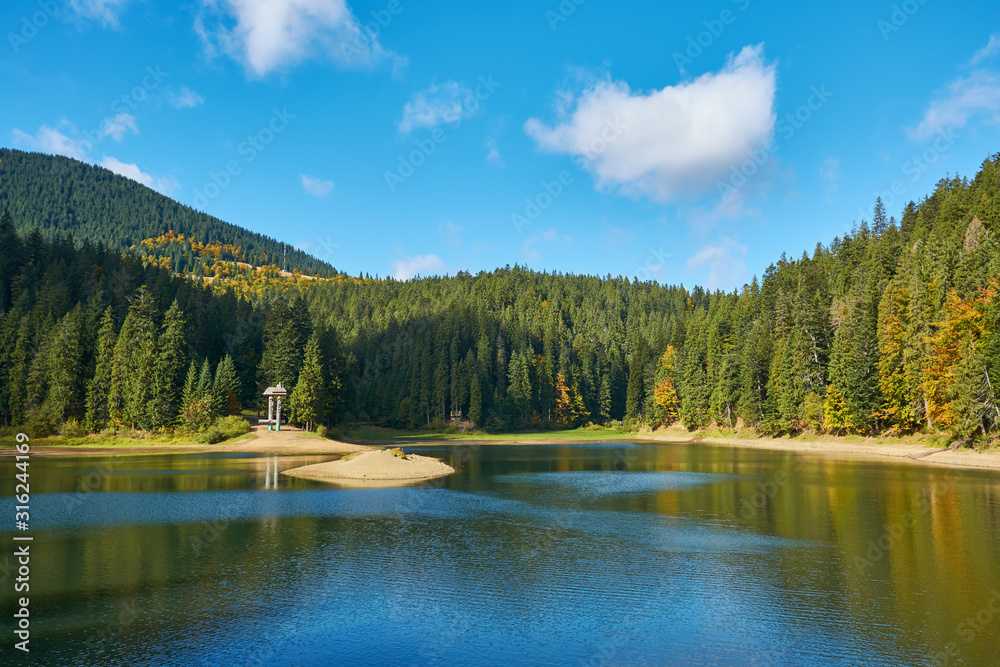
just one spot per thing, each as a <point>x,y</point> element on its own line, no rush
<point>589,554</point>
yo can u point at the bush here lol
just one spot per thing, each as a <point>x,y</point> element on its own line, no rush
<point>321,431</point>
<point>71,428</point>
<point>225,428</point>
<point>210,436</point>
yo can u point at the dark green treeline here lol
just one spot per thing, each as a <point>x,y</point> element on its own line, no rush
<point>893,327</point>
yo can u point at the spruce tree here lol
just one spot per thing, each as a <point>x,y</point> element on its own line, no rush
<point>164,404</point>
<point>226,388</point>
<point>134,363</point>
<point>307,397</point>
<point>99,388</point>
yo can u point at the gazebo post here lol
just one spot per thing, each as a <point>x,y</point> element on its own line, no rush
<point>274,415</point>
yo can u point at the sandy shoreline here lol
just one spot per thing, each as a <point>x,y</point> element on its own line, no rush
<point>914,453</point>
<point>292,441</point>
<point>380,466</point>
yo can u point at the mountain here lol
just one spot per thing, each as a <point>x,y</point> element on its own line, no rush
<point>57,195</point>
<point>890,329</point>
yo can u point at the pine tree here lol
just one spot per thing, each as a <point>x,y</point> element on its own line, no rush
<point>99,388</point>
<point>164,404</point>
<point>134,363</point>
<point>307,397</point>
<point>225,388</point>
<point>64,370</point>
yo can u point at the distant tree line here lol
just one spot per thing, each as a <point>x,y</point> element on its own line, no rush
<point>895,327</point>
<point>58,195</point>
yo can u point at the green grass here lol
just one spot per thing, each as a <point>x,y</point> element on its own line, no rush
<point>120,441</point>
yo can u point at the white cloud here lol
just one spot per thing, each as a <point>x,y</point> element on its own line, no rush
<point>992,47</point>
<point>724,260</point>
<point>493,155</point>
<point>185,99</point>
<point>316,186</point>
<point>440,103</point>
<point>131,170</point>
<point>829,173</point>
<point>49,140</point>
<point>105,11</point>
<point>450,233</point>
<point>968,97</point>
<point>974,96</point>
<point>531,252</point>
<point>116,126</point>
<point>672,142</point>
<point>421,265</point>
<point>268,35</point>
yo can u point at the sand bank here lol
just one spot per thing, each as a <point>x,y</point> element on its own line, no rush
<point>375,468</point>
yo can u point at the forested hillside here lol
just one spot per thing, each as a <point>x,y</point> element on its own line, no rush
<point>59,195</point>
<point>892,328</point>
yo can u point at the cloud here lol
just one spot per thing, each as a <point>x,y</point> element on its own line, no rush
<point>493,155</point>
<point>531,252</point>
<point>316,186</point>
<point>440,103</point>
<point>829,173</point>
<point>968,97</point>
<point>49,140</point>
<point>269,35</point>
<point>105,11</point>
<point>991,48</point>
<point>724,260</point>
<point>68,140</point>
<point>619,235</point>
<point>450,233</point>
<point>667,143</point>
<point>185,99</point>
<point>116,126</point>
<point>131,170</point>
<point>974,96</point>
<point>421,265</point>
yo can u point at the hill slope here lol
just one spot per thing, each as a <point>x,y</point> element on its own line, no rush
<point>58,195</point>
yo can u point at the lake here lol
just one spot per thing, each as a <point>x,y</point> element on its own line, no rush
<point>590,554</point>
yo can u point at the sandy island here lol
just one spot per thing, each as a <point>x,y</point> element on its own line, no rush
<point>375,468</point>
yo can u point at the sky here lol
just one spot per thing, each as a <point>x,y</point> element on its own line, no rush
<point>687,143</point>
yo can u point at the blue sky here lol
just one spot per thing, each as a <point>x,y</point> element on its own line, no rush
<point>684,142</point>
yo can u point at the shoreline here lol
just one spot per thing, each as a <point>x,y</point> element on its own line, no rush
<point>292,442</point>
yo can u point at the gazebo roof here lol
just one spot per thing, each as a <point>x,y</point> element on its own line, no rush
<point>275,391</point>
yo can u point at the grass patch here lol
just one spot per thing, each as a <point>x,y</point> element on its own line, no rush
<point>372,434</point>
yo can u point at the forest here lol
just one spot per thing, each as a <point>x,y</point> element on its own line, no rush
<point>59,195</point>
<point>893,328</point>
